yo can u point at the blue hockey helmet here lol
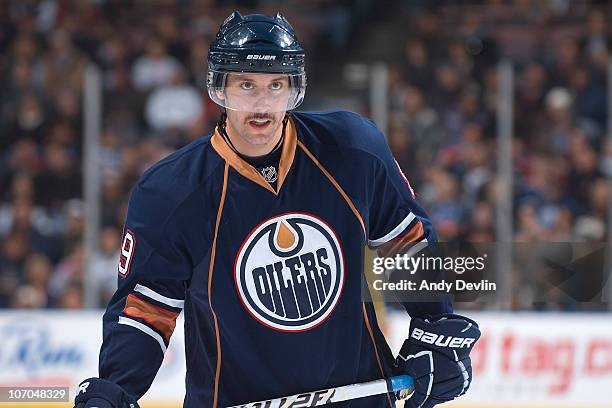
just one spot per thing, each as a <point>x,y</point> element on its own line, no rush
<point>256,44</point>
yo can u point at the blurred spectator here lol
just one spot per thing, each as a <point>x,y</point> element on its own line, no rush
<point>197,54</point>
<point>33,293</point>
<point>155,68</point>
<point>417,66</point>
<point>104,262</point>
<point>596,41</point>
<point>61,179</point>
<point>64,64</point>
<point>113,196</point>
<point>565,58</point>
<point>531,88</point>
<point>113,57</point>
<point>30,120</point>
<point>21,157</point>
<point>72,296</point>
<point>74,225</point>
<point>68,277</point>
<point>445,209</point>
<point>28,297</point>
<point>175,105</point>
<point>67,106</point>
<point>38,271</point>
<point>584,167</point>
<point>589,95</point>
<point>481,223</point>
<point>13,252</point>
<point>589,229</point>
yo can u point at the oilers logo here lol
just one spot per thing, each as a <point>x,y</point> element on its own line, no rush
<point>289,272</point>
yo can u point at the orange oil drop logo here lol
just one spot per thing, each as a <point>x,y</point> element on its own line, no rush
<point>285,236</point>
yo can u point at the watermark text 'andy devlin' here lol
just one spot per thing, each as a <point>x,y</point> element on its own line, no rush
<point>405,274</point>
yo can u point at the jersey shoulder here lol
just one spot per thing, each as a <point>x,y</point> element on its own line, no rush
<point>343,129</point>
<point>185,168</point>
<point>169,182</point>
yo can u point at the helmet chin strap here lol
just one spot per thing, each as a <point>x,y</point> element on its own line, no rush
<point>222,125</point>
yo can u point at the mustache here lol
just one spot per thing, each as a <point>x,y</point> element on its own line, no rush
<point>260,116</point>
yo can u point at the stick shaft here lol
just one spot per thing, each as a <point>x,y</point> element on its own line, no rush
<point>337,394</point>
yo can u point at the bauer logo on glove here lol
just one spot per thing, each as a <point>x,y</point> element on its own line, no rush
<point>441,340</point>
<point>436,355</point>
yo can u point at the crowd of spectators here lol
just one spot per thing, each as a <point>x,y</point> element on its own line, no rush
<point>152,61</point>
<point>443,96</point>
<point>443,129</point>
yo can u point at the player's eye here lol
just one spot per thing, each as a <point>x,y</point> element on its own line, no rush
<point>247,85</point>
<point>276,86</point>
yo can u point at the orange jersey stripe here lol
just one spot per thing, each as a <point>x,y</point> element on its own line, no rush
<point>161,319</point>
<point>371,332</point>
<point>336,185</point>
<point>210,276</point>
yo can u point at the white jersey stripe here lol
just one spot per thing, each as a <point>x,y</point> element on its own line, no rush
<point>144,328</point>
<point>160,298</point>
<point>394,232</point>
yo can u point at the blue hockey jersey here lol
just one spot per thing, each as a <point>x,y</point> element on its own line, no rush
<point>269,279</point>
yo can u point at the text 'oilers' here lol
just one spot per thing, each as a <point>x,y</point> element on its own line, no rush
<point>289,272</point>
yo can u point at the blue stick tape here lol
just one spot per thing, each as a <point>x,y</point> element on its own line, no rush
<point>401,382</point>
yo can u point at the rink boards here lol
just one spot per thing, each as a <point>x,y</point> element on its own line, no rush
<point>523,359</point>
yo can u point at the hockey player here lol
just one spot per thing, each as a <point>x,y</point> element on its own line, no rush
<point>256,233</point>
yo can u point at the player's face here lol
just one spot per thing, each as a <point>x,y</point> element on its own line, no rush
<point>259,93</point>
<point>257,105</point>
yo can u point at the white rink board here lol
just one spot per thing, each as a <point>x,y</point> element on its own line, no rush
<point>536,359</point>
<point>523,359</point>
<point>61,349</point>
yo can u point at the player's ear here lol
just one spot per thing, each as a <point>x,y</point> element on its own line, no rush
<point>220,94</point>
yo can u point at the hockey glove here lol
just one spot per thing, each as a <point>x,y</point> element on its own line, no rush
<point>96,392</point>
<point>437,356</point>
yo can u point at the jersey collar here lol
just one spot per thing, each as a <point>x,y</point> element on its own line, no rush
<point>250,172</point>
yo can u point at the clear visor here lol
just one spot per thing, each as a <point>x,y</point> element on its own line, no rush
<point>256,92</point>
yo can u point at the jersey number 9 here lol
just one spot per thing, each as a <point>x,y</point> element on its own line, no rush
<point>127,252</point>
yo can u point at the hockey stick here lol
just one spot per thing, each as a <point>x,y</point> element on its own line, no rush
<point>337,394</point>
